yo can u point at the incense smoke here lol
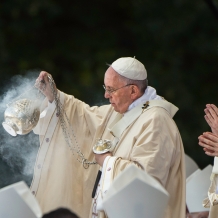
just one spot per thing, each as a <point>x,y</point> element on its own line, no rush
<point>17,153</point>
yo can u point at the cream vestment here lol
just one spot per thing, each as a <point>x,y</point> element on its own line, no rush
<point>151,141</point>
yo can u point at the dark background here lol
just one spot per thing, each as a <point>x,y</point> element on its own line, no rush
<point>73,40</point>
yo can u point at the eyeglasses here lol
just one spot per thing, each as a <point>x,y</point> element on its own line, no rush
<point>110,91</point>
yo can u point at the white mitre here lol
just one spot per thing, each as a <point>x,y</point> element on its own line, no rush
<point>130,68</point>
<point>134,193</point>
<point>190,166</point>
<point>17,201</point>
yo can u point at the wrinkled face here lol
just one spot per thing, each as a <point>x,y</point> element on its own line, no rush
<point>122,97</point>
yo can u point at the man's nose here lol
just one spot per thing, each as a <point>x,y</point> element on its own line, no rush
<point>106,94</point>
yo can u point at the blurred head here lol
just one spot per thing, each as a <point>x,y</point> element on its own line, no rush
<point>60,213</point>
<point>124,82</point>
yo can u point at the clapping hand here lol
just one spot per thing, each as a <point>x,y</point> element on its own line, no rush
<point>209,142</point>
<point>211,116</point>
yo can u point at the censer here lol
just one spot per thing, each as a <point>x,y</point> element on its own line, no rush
<point>21,117</point>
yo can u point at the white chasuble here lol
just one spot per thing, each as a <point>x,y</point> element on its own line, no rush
<point>140,143</point>
<point>152,142</point>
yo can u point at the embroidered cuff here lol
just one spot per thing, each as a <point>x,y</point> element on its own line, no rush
<point>215,165</point>
<point>106,179</point>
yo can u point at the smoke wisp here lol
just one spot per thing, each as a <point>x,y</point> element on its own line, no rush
<point>18,154</point>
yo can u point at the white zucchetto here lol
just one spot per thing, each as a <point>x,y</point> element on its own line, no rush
<point>130,68</point>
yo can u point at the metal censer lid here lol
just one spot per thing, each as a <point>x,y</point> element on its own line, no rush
<point>21,117</point>
<point>102,146</point>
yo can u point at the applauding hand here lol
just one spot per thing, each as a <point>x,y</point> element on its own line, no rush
<point>209,142</point>
<point>211,116</point>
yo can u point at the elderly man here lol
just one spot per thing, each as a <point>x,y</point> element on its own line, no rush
<point>135,128</point>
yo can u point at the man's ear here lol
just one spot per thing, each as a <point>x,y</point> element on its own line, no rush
<point>135,92</point>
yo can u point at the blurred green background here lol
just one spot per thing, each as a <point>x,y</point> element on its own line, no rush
<point>73,40</point>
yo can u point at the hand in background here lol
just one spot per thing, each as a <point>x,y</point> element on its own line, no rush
<point>209,142</point>
<point>211,116</point>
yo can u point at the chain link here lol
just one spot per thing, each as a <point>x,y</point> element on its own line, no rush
<point>68,132</point>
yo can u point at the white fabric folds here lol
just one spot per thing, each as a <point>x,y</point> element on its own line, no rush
<point>16,201</point>
<point>196,189</point>
<point>134,193</point>
<point>190,166</point>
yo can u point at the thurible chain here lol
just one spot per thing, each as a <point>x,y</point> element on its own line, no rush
<point>68,132</point>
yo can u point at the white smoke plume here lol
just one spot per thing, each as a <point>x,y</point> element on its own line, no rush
<point>18,153</point>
